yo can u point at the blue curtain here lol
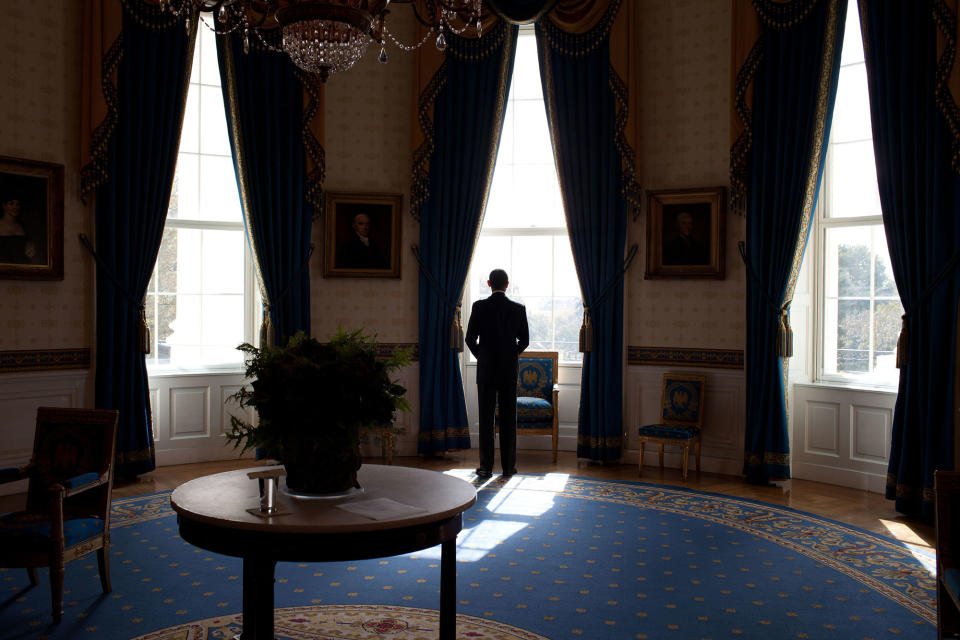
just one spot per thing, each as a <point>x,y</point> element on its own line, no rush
<point>469,94</point>
<point>920,197</point>
<point>263,98</point>
<point>794,88</point>
<point>131,207</point>
<point>581,106</point>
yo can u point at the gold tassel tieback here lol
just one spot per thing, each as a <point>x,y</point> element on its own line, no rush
<point>266,328</point>
<point>784,334</point>
<point>144,332</point>
<point>903,343</point>
<point>456,332</point>
<point>586,332</point>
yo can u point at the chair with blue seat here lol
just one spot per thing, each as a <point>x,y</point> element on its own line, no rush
<point>537,393</point>
<point>67,512</point>
<point>681,418</point>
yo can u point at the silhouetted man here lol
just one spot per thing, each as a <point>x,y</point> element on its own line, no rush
<point>497,334</point>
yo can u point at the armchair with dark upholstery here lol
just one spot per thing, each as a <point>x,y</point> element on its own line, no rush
<point>67,512</point>
<point>947,509</point>
<point>681,418</point>
<point>537,392</point>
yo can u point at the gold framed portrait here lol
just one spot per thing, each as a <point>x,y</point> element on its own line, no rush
<point>685,233</point>
<point>362,235</point>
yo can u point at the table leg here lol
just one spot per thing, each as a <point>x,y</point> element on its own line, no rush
<point>257,599</point>
<point>448,589</point>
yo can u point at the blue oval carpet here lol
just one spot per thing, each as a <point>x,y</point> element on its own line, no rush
<point>551,556</point>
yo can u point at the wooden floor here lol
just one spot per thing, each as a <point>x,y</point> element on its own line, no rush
<point>869,511</point>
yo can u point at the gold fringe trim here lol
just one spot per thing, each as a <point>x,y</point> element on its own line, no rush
<point>782,15</point>
<point>94,173</point>
<point>579,44</point>
<point>946,21</point>
<point>629,188</point>
<point>744,143</point>
<point>312,147</point>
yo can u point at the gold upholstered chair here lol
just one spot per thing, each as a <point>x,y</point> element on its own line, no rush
<point>67,514</point>
<point>537,393</point>
<point>681,418</point>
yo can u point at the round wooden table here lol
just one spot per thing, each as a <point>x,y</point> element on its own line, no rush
<point>212,513</point>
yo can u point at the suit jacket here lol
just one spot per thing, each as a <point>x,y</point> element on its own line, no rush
<point>497,334</point>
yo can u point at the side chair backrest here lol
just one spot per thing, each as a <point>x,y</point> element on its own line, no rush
<point>681,400</point>
<point>537,374</point>
<point>69,443</point>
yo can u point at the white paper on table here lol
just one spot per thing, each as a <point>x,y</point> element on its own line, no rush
<point>380,508</point>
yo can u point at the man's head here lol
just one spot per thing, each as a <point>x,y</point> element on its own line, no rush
<point>498,280</point>
<point>361,224</point>
<point>684,223</point>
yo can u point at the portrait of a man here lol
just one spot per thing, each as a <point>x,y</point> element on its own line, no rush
<point>360,250</point>
<point>362,236</point>
<point>686,234</point>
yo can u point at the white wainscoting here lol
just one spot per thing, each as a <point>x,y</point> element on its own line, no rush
<point>191,414</point>
<point>723,419</point>
<point>841,436</point>
<point>20,395</point>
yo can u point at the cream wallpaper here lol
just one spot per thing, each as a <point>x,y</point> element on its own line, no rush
<point>684,143</point>
<point>368,131</point>
<point>39,120</point>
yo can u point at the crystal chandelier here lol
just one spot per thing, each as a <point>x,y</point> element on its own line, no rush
<point>329,36</point>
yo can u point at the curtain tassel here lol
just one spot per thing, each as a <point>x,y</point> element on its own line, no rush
<point>586,332</point>
<point>903,342</point>
<point>144,331</point>
<point>266,328</point>
<point>784,334</point>
<point>456,332</point>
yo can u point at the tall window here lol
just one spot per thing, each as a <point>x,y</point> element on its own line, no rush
<point>859,306</point>
<point>524,230</point>
<point>200,298</point>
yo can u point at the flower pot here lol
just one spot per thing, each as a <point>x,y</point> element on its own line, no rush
<point>330,470</point>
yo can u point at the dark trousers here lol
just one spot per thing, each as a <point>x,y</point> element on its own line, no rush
<point>504,396</point>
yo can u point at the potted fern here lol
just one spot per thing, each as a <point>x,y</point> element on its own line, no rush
<point>313,399</point>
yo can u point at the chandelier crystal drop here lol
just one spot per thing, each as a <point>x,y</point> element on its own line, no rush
<point>328,36</point>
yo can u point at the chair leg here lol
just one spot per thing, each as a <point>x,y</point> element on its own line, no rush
<point>660,456</point>
<point>696,453</point>
<point>555,438</point>
<point>640,461</point>
<point>685,452</point>
<point>32,574</point>
<point>56,592</point>
<point>103,564</point>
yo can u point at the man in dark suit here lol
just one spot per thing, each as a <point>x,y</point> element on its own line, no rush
<point>497,334</point>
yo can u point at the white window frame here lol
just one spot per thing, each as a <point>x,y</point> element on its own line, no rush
<point>251,292</point>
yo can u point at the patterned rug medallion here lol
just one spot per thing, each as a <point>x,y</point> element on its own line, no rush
<point>540,557</point>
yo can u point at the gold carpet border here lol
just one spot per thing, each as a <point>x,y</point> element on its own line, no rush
<point>881,564</point>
